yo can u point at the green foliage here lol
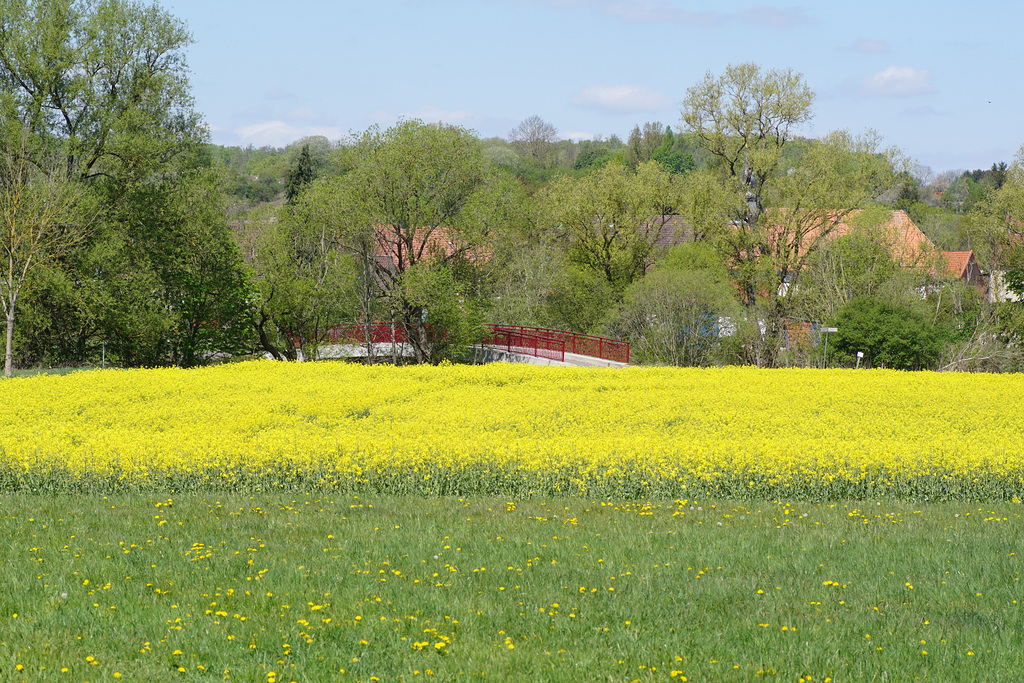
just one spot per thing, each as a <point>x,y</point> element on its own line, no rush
<point>420,194</point>
<point>580,300</point>
<point>889,335</point>
<point>673,159</point>
<point>859,263</point>
<point>453,317</point>
<point>672,316</point>
<point>306,282</point>
<point>592,156</point>
<point>102,84</point>
<point>611,218</point>
<point>769,201</point>
<point>186,298</point>
<point>300,176</point>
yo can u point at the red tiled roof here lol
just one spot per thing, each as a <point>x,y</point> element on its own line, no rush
<point>957,262</point>
<point>907,244</point>
<point>439,242</point>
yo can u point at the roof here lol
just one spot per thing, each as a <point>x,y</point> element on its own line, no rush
<point>957,263</point>
<point>906,243</point>
<point>429,243</point>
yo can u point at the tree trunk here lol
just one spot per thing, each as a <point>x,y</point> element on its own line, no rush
<point>9,356</point>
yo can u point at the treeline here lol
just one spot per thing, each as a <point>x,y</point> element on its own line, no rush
<point>128,237</point>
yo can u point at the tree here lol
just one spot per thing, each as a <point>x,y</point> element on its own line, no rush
<point>611,218</point>
<point>671,158</point>
<point>768,220</point>
<point>420,200</point>
<point>672,315</point>
<point>534,138</point>
<point>172,286</point>
<point>993,230</point>
<point>102,83</point>
<point>306,281</point>
<point>299,177</point>
<point>643,144</point>
<point>859,263</point>
<point>888,335</point>
<point>39,221</point>
<point>102,87</point>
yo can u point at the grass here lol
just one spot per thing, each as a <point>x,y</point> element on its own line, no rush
<point>33,372</point>
<point>283,587</point>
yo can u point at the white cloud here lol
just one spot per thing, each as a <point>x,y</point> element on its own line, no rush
<point>621,98</point>
<point>898,81</point>
<point>281,134</point>
<point>576,135</point>
<point>868,46</point>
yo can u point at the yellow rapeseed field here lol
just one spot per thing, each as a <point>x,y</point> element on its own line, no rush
<point>518,429</point>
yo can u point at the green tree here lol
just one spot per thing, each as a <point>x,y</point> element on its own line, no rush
<point>102,87</point>
<point>40,220</point>
<point>419,195</point>
<point>299,177</point>
<point>102,83</point>
<point>766,219</point>
<point>888,335</point>
<point>859,263</point>
<point>670,157</point>
<point>611,218</point>
<point>580,299</point>
<point>307,283</point>
<point>644,143</point>
<point>178,293</point>
<point>993,230</point>
<point>672,316</point>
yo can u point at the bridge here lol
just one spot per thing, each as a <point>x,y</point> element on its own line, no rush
<point>513,343</point>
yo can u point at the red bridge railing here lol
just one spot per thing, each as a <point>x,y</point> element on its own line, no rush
<point>514,341</point>
<point>582,344</point>
<point>535,341</point>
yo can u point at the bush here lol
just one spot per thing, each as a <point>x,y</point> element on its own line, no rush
<point>889,335</point>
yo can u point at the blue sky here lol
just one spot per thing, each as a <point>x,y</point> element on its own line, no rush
<point>939,80</point>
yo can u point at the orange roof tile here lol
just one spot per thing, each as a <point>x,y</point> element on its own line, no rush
<point>957,262</point>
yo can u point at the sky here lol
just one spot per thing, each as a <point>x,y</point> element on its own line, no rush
<point>938,80</point>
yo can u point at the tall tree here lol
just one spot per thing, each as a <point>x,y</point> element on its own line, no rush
<point>534,138</point>
<point>611,218</point>
<point>765,219</point>
<point>306,281</point>
<point>643,143</point>
<point>419,208</point>
<point>299,177</point>
<point>102,86</point>
<point>104,83</point>
<point>39,220</point>
<point>994,228</point>
<point>744,118</point>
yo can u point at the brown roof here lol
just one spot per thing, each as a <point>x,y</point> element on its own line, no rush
<point>957,262</point>
<point>672,231</point>
<point>430,243</point>
<point>907,245</point>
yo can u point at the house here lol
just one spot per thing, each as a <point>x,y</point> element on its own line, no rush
<point>395,250</point>
<point>962,265</point>
<point>907,245</point>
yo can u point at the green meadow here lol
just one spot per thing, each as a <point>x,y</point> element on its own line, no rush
<point>286,587</point>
